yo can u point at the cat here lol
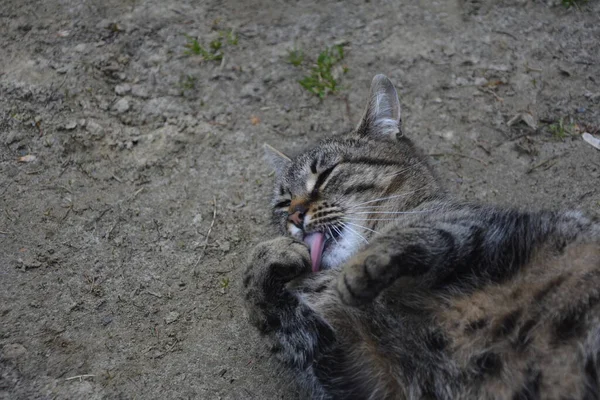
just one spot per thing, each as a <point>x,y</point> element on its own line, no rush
<point>382,286</point>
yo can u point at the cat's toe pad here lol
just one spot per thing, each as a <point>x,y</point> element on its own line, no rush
<point>364,278</point>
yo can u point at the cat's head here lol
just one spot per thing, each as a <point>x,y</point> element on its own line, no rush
<point>339,194</point>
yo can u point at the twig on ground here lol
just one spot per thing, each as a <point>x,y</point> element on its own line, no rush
<point>348,111</point>
<point>80,377</point>
<point>506,33</point>
<point>548,163</point>
<point>486,90</point>
<point>133,196</point>
<point>214,217</point>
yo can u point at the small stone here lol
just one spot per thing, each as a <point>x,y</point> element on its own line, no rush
<point>107,320</point>
<point>94,128</point>
<point>29,263</point>
<point>69,126</point>
<point>139,91</point>
<point>499,67</point>
<point>225,247</point>
<point>197,219</point>
<point>104,24</point>
<point>460,81</point>
<point>13,351</point>
<point>121,106</point>
<point>122,89</point>
<point>80,48</point>
<point>449,50</point>
<point>171,317</point>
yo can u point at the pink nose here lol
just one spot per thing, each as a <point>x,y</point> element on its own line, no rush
<point>296,215</point>
<point>296,218</point>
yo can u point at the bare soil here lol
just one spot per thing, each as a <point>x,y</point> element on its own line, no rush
<point>121,242</point>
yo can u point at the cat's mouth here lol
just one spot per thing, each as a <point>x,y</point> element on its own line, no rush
<point>317,242</point>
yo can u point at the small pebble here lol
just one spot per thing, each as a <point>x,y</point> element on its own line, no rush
<point>122,89</point>
<point>171,317</point>
<point>121,106</point>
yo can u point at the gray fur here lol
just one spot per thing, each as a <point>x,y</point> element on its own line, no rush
<point>420,295</point>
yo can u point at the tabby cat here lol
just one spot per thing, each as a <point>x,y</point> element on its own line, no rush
<point>382,286</point>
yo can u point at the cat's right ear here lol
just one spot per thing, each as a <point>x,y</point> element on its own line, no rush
<point>276,159</point>
<point>382,117</point>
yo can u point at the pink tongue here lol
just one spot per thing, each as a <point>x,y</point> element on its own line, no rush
<point>315,242</point>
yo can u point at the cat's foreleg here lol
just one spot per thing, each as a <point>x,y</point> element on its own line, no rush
<point>463,248</point>
<point>296,331</point>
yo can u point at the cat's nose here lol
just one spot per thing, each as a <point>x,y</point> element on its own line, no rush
<point>296,215</point>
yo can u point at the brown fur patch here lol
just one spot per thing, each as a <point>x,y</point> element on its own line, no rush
<point>558,295</point>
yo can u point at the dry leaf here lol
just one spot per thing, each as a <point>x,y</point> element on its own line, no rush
<point>493,84</point>
<point>525,117</point>
<point>591,140</point>
<point>27,158</point>
<point>528,119</point>
<point>254,120</point>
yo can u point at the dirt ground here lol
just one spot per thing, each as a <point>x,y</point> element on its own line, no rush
<point>121,242</point>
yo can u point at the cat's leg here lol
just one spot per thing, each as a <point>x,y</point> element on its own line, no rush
<point>466,246</point>
<point>411,252</point>
<point>297,332</point>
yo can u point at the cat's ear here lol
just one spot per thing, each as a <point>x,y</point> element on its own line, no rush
<point>276,159</point>
<point>382,117</point>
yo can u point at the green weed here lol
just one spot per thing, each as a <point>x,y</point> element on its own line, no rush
<point>561,129</point>
<point>572,3</point>
<point>215,48</point>
<point>321,80</point>
<point>188,82</point>
<point>224,283</point>
<point>195,49</point>
<point>230,37</point>
<point>295,57</point>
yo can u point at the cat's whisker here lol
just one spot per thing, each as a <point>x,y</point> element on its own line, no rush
<point>331,234</point>
<point>405,169</point>
<point>337,230</point>
<point>391,212</point>
<point>371,219</point>
<point>359,235</point>
<point>363,227</point>
<point>369,207</point>
<point>353,236</point>
<point>392,197</point>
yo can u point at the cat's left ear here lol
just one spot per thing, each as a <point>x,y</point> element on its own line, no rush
<point>382,117</point>
<point>276,159</point>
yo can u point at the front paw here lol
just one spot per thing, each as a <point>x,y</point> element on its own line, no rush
<point>276,262</point>
<point>365,276</point>
<point>270,267</point>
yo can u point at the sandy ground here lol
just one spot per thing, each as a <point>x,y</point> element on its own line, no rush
<point>121,242</point>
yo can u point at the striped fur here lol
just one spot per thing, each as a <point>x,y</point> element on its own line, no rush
<point>420,295</point>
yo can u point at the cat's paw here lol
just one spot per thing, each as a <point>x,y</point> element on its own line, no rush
<point>277,261</point>
<point>269,268</point>
<point>364,277</point>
